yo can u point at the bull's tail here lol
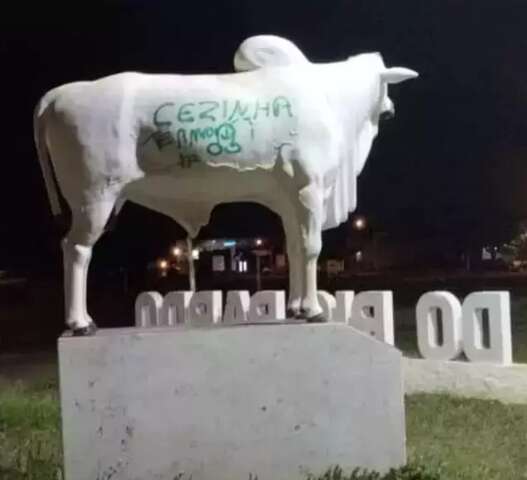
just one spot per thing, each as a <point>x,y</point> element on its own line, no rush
<point>44,158</point>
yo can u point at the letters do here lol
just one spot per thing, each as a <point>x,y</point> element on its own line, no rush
<point>479,327</point>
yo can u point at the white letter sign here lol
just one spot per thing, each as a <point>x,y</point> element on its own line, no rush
<point>372,312</point>
<point>175,308</point>
<point>497,306</point>
<point>237,307</point>
<point>205,308</point>
<point>344,301</point>
<point>429,325</point>
<point>267,305</point>
<point>147,309</point>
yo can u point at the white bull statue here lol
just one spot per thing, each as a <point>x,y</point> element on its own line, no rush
<point>283,132</point>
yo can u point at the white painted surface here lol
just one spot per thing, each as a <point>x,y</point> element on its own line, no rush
<point>372,312</point>
<point>221,403</point>
<point>267,306</point>
<point>287,133</point>
<point>237,307</point>
<point>427,318</point>
<point>498,382</point>
<point>205,308</point>
<point>497,305</point>
<point>328,304</point>
<point>266,50</point>
<point>344,304</point>
<point>175,308</point>
<point>148,307</point>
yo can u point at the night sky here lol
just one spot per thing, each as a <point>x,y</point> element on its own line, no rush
<point>452,163</point>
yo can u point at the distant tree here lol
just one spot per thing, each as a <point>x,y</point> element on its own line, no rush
<point>516,249</point>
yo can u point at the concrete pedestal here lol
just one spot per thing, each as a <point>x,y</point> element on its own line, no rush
<point>222,403</point>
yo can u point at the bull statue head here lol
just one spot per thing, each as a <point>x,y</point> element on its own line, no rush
<point>366,82</point>
<point>393,75</point>
<point>386,109</point>
<point>365,88</point>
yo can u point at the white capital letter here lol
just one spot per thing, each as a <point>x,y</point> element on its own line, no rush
<point>267,305</point>
<point>372,312</point>
<point>428,325</point>
<point>176,308</point>
<point>237,307</point>
<point>205,308</point>
<point>497,305</point>
<point>343,309</point>
<point>147,309</point>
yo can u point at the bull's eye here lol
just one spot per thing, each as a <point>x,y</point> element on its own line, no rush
<point>387,114</point>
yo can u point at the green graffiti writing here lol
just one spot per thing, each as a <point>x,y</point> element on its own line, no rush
<point>239,110</point>
<point>280,103</point>
<point>197,134</point>
<point>221,139</point>
<point>261,107</point>
<point>184,113</point>
<point>225,141</point>
<point>187,159</point>
<point>212,124</point>
<point>211,106</point>
<point>157,121</point>
<point>162,136</point>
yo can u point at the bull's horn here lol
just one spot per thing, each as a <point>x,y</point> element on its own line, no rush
<point>398,74</point>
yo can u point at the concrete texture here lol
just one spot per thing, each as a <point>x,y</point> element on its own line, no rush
<point>269,400</point>
<point>507,383</point>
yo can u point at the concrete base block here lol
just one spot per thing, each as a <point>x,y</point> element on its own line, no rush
<point>506,383</point>
<point>222,403</point>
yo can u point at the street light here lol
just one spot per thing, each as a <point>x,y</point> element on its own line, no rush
<point>163,267</point>
<point>259,242</point>
<point>176,251</point>
<point>359,223</point>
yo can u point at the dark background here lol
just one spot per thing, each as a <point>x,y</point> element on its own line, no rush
<point>452,163</point>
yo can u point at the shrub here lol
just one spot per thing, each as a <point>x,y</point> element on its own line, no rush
<point>408,472</point>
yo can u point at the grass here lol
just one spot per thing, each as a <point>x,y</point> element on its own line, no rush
<point>464,439</point>
<point>472,439</point>
<point>30,445</point>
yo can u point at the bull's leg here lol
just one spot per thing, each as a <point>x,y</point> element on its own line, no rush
<point>287,211</point>
<point>87,226</point>
<point>294,259</point>
<point>76,262</point>
<point>310,217</point>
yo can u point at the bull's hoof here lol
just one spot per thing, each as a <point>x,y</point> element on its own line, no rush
<point>301,314</point>
<point>88,331</point>
<point>318,318</point>
<point>292,313</point>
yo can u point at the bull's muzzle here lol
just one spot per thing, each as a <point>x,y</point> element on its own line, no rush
<point>387,115</point>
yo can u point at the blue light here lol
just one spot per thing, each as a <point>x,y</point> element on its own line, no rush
<point>229,243</point>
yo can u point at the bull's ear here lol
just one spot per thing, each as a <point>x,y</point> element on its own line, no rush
<point>398,74</point>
